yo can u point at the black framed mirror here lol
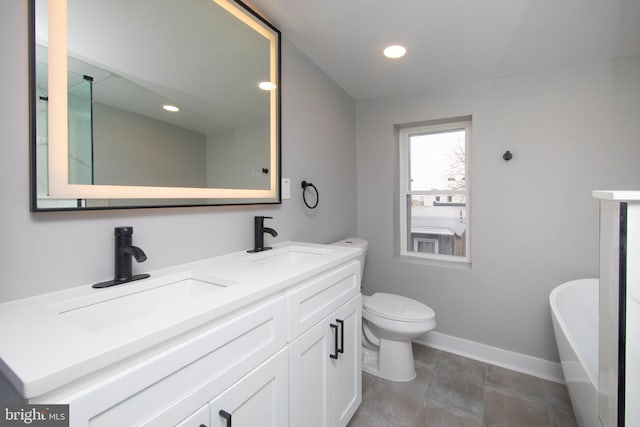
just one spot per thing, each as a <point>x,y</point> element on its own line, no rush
<point>153,103</point>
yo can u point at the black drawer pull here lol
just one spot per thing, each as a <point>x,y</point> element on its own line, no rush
<point>227,416</point>
<point>335,341</point>
<point>341,323</point>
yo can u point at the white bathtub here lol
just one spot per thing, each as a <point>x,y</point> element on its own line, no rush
<point>574,311</point>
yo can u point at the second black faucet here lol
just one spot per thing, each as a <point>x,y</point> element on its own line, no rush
<point>258,230</point>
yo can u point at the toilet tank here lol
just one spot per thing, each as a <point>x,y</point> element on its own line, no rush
<point>355,243</point>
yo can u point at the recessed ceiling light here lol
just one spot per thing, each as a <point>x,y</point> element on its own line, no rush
<point>395,51</point>
<point>171,108</point>
<point>267,85</point>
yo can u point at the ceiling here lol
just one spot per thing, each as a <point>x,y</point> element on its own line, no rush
<point>190,53</point>
<point>451,41</point>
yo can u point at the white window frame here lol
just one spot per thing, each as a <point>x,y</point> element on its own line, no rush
<point>405,133</point>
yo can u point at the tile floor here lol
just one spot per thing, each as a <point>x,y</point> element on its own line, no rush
<point>454,391</point>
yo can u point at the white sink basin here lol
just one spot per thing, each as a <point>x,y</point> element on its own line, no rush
<point>293,255</point>
<point>170,293</point>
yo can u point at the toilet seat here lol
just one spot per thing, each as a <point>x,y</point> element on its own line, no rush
<point>398,308</point>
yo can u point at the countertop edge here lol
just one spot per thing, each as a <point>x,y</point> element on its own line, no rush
<point>621,196</point>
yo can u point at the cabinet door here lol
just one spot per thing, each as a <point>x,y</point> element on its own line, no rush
<point>345,373</point>
<point>325,380</point>
<point>258,399</point>
<point>308,377</point>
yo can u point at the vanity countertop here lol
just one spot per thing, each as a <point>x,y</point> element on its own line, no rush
<point>51,339</point>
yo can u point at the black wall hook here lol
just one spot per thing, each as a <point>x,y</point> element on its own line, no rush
<point>507,155</point>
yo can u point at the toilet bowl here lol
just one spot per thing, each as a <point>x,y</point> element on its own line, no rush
<point>389,323</point>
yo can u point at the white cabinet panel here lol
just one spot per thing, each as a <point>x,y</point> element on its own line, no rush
<point>325,370</point>
<point>619,353</point>
<point>308,377</point>
<point>259,399</point>
<point>608,312</point>
<point>632,357</point>
<point>312,301</point>
<point>197,419</point>
<point>632,413</point>
<point>346,378</point>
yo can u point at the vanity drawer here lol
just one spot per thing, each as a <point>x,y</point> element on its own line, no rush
<point>314,299</point>
<point>168,386</point>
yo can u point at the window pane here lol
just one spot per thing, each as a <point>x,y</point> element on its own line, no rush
<point>437,227</point>
<point>437,161</point>
<point>425,245</point>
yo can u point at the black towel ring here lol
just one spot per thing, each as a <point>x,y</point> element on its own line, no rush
<point>306,185</point>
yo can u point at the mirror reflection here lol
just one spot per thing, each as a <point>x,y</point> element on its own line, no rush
<point>160,94</point>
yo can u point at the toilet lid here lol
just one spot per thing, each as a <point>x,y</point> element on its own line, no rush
<point>396,307</point>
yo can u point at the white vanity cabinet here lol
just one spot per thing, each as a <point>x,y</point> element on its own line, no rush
<point>277,346</point>
<point>325,381</point>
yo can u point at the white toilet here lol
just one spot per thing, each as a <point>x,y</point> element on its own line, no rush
<point>389,323</point>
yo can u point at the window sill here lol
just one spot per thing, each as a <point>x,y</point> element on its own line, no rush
<point>432,262</point>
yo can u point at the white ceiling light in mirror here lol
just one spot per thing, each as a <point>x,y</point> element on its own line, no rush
<point>267,86</point>
<point>395,51</point>
<point>171,108</point>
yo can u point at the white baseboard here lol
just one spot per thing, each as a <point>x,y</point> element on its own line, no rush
<point>529,365</point>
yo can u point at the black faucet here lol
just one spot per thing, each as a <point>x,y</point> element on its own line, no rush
<point>124,251</point>
<point>259,229</point>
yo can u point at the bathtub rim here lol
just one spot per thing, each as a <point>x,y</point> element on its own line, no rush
<point>592,373</point>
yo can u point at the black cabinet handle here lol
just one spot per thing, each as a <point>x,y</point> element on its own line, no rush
<point>227,416</point>
<point>335,341</point>
<point>341,323</point>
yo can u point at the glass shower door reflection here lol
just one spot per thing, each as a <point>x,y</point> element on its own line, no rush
<point>80,111</point>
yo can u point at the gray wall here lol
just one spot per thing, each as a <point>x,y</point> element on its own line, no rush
<point>534,223</point>
<point>146,151</point>
<point>235,158</point>
<point>50,251</point>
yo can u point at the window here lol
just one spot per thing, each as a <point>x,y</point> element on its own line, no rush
<point>434,190</point>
